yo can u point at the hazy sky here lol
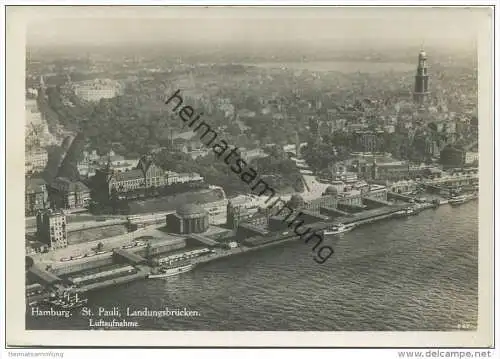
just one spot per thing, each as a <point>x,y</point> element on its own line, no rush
<point>432,26</point>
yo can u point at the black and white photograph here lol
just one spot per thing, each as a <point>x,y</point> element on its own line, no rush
<point>254,169</point>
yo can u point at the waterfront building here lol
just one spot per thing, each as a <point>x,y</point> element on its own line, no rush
<point>403,186</point>
<point>163,243</point>
<point>51,228</point>
<point>350,198</point>
<point>384,169</point>
<point>188,218</point>
<point>217,211</point>
<point>421,92</point>
<point>394,170</point>
<point>427,171</point>
<point>237,214</point>
<point>70,194</point>
<point>375,191</point>
<point>328,199</point>
<point>35,196</point>
<point>361,186</point>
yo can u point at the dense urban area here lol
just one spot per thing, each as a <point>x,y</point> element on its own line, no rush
<point>117,188</point>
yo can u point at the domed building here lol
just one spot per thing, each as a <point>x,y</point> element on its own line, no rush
<point>189,218</point>
<point>296,201</point>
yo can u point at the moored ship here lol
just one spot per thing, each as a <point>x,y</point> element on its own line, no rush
<point>168,271</point>
<point>406,212</point>
<point>458,200</point>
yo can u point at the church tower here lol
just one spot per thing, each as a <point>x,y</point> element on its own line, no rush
<point>421,93</point>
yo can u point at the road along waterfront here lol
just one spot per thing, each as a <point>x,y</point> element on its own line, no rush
<point>418,273</point>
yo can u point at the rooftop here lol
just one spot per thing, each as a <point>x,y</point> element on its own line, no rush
<point>71,186</point>
<point>172,202</point>
<point>190,210</point>
<point>129,175</point>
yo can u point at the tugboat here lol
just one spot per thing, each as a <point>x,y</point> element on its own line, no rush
<point>338,228</point>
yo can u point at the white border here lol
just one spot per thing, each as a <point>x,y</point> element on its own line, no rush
<point>396,339</point>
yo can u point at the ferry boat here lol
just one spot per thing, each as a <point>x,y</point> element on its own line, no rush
<point>67,301</point>
<point>338,228</point>
<point>406,212</point>
<point>164,272</point>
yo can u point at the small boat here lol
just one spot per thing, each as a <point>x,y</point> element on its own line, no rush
<point>458,200</point>
<point>406,212</point>
<point>170,271</point>
<point>338,228</point>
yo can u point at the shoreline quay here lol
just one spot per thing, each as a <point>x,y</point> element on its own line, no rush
<point>144,270</point>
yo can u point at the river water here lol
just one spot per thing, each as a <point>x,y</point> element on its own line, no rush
<point>417,273</point>
<point>345,67</point>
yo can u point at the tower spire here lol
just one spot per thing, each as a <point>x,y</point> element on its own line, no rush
<point>421,92</point>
